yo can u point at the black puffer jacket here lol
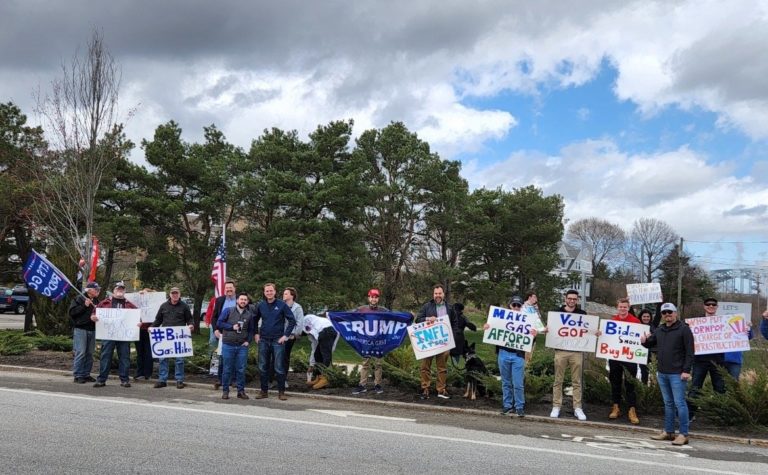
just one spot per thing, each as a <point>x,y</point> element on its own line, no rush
<point>80,314</point>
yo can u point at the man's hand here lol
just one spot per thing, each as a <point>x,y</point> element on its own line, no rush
<point>191,328</point>
<point>685,376</point>
<point>534,332</point>
<point>245,344</point>
<point>643,337</point>
<point>94,318</point>
<point>88,302</point>
<point>256,338</point>
<point>217,334</point>
<point>431,319</point>
<point>282,340</point>
<point>486,326</point>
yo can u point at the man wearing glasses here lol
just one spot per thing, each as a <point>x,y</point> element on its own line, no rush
<point>572,360</point>
<point>707,364</point>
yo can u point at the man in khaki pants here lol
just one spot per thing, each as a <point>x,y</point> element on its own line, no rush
<point>437,307</point>
<point>568,359</point>
<point>373,306</point>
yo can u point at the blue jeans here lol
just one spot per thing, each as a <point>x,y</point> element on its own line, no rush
<point>123,357</point>
<point>235,358</point>
<point>673,391</point>
<point>162,370</point>
<point>83,344</point>
<point>511,367</point>
<point>734,369</point>
<point>270,348</point>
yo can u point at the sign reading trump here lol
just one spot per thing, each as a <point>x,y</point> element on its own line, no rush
<point>371,333</point>
<point>430,339</point>
<point>509,329</point>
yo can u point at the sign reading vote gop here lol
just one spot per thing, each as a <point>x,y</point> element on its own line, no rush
<point>118,324</point>
<point>509,329</point>
<point>571,331</point>
<point>644,293</point>
<point>430,339</point>
<point>170,342</point>
<point>719,333</point>
<point>621,341</point>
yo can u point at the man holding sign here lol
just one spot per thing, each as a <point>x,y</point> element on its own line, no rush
<point>437,307</point>
<point>622,371</point>
<point>173,313</point>
<point>117,300</point>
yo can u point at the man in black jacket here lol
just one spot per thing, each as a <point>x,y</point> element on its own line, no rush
<point>84,333</point>
<point>437,307</point>
<point>173,313</point>
<point>673,341</point>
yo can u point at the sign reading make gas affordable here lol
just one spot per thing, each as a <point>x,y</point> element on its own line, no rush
<point>170,342</point>
<point>430,339</point>
<point>621,341</point>
<point>509,329</point>
<point>719,334</point>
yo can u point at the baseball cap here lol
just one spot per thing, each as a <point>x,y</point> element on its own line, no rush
<point>669,306</point>
<point>119,283</point>
<point>373,293</point>
<point>92,285</point>
<point>516,300</point>
<point>175,289</point>
<point>710,300</point>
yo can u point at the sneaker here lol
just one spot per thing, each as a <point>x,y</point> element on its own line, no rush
<point>424,395</point>
<point>507,411</point>
<point>579,413</point>
<point>90,379</point>
<point>242,395</point>
<point>125,384</point>
<point>281,396</point>
<point>99,384</point>
<point>555,413</point>
<point>520,413</point>
<point>443,395</point>
<point>378,389</point>
<point>359,390</point>
<point>160,384</point>
<point>680,440</point>
<point>262,395</point>
<point>180,385</point>
<point>663,436</point>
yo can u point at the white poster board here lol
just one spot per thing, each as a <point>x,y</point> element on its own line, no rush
<point>170,342</point>
<point>148,302</point>
<point>509,328</point>
<point>430,339</point>
<point>735,308</point>
<point>644,293</point>
<point>620,341</point>
<point>719,334</point>
<point>571,331</point>
<point>119,324</point>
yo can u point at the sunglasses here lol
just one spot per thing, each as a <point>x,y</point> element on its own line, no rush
<point>516,305</point>
<point>710,305</point>
<point>667,312</point>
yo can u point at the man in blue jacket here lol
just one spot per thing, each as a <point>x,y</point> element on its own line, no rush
<point>273,314</point>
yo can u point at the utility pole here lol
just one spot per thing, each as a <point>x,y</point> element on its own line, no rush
<point>680,274</point>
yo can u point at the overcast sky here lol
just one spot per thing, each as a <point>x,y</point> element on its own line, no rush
<point>627,109</point>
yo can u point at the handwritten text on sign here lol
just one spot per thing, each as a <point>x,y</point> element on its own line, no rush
<point>571,331</point>
<point>430,339</point>
<point>148,302</point>
<point>621,341</point>
<point>170,342</point>
<point>644,293</point>
<point>119,324</point>
<point>719,334</point>
<point>509,329</point>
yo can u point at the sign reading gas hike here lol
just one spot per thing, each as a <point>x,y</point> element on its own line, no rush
<point>430,339</point>
<point>509,329</point>
<point>621,341</point>
<point>170,342</point>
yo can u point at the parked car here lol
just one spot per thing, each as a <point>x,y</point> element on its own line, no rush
<point>190,303</point>
<point>15,300</point>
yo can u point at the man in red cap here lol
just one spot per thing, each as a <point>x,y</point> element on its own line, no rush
<point>373,306</point>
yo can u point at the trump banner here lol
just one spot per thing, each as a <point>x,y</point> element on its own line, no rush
<point>719,334</point>
<point>509,328</point>
<point>43,277</point>
<point>571,331</point>
<point>430,339</point>
<point>371,334</point>
<point>170,342</point>
<point>621,341</point>
<point>119,324</point>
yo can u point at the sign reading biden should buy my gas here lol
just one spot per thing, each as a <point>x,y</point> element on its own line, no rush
<point>509,329</point>
<point>621,341</point>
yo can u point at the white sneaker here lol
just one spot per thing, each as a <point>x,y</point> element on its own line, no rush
<point>555,412</point>
<point>579,414</point>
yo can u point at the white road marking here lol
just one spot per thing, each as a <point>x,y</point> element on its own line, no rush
<point>358,414</point>
<point>622,460</point>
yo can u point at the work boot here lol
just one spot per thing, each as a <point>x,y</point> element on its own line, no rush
<point>312,382</point>
<point>322,382</point>
<point>663,436</point>
<point>282,396</point>
<point>632,415</point>
<point>262,395</point>
<point>615,412</point>
<point>680,440</point>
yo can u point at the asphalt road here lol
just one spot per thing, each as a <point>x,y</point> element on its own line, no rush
<point>50,425</point>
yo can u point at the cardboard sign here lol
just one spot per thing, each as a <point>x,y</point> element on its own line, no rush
<point>719,334</point>
<point>430,339</point>
<point>735,308</point>
<point>620,341</point>
<point>644,293</point>
<point>170,342</point>
<point>571,331</point>
<point>509,329</point>
<point>148,302</point>
<point>119,324</point>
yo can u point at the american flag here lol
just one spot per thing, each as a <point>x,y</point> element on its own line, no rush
<point>219,272</point>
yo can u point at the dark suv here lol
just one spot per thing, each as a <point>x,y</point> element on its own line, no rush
<point>14,300</point>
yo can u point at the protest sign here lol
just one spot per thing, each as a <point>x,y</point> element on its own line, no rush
<point>170,342</point>
<point>644,293</point>
<point>571,331</point>
<point>148,302</point>
<point>430,339</point>
<point>719,334</point>
<point>735,308</point>
<point>509,328</point>
<point>535,319</point>
<point>371,333</point>
<point>119,324</point>
<point>620,341</point>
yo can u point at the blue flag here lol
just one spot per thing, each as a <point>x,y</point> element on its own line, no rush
<point>45,278</point>
<point>371,333</point>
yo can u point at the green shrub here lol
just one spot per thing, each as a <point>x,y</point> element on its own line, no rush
<point>50,342</point>
<point>649,398</point>
<point>596,387</point>
<point>299,361</point>
<point>538,387</point>
<point>745,402</point>
<point>337,376</point>
<point>14,343</point>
